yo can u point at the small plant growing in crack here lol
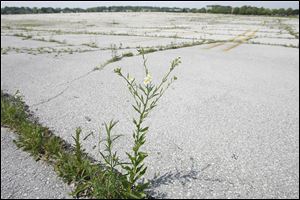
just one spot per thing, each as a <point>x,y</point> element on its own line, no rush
<point>143,51</point>
<point>127,54</point>
<point>114,57</point>
<point>114,50</point>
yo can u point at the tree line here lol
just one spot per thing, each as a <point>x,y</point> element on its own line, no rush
<point>244,10</point>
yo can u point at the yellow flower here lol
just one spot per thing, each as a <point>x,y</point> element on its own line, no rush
<point>147,79</point>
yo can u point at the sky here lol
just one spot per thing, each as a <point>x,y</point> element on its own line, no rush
<point>181,4</point>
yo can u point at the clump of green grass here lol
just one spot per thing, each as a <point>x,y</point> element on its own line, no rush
<point>147,50</point>
<point>292,32</point>
<point>13,115</point>
<point>5,50</point>
<point>114,54</point>
<point>74,166</point>
<point>31,139</point>
<point>12,111</point>
<point>114,57</point>
<point>27,37</point>
<point>15,49</point>
<point>19,35</point>
<point>127,54</point>
<point>114,50</point>
<point>56,41</point>
<point>53,147</point>
<point>91,44</point>
<point>288,28</point>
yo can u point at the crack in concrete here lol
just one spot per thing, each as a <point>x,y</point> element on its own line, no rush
<point>51,98</point>
<point>60,93</point>
<point>89,72</point>
<point>77,78</point>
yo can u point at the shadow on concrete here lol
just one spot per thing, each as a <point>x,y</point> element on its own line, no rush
<point>168,178</point>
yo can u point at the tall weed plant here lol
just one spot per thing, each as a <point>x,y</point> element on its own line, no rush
<point>146,96</point>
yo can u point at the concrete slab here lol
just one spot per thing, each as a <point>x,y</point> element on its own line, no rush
<point>18,42</point>
<point>105,41</point>
<point>232,111</point>
<point>24,178</point>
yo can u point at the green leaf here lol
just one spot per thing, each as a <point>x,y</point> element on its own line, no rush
<point>133,196</point>
<point>130,157</point>
<point>144,129</point>
<point>135,122</point>
<point>139,160</point>
<point>149,88</point>
<point>139,168</point>
<point>140,174</point>
<point>142,186</point>
<point>86,137</point>
<point>112,124</point>
<point>145,114</point>
<point>116,137</point>
<point>143,154</point>
<point>142,89</point>
<point>127,168</point>
<point>137,110</point>
<point>80,188</point>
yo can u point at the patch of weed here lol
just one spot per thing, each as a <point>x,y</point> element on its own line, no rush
<point>91,44</point>
<point>147,50</point>
<point>127,54</point>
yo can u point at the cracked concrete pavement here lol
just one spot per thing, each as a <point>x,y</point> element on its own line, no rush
<point>228,128</point>
<point>24,178</point>
<point>240,120</point>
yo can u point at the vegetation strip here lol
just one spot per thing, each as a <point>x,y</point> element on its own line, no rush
<point>30,37</point>
<point>91,178</point>
<point>40,142</point>
<point>115,57</point>
<point>61,32</point>
<point>71,163</point>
